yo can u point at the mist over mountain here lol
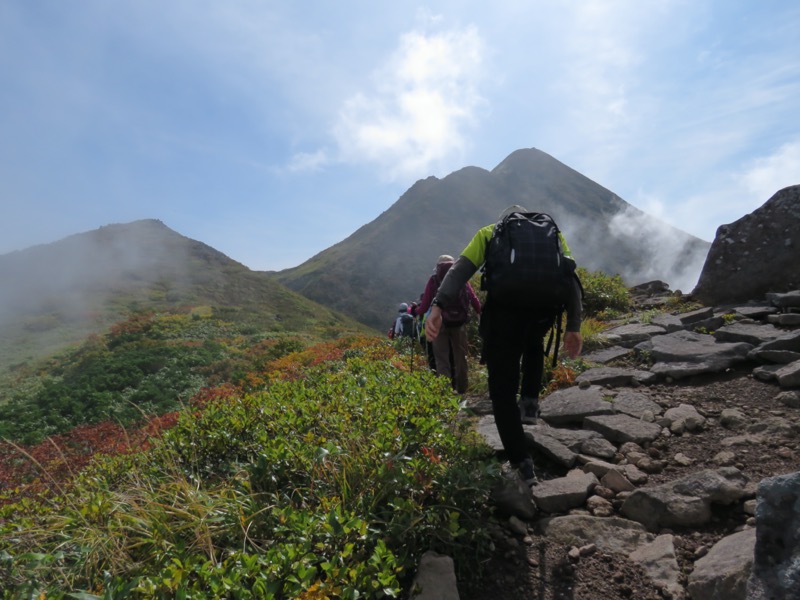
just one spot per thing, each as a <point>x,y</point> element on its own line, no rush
<point>57,293</point>
<point>60,292</point>
<point>389,260</point>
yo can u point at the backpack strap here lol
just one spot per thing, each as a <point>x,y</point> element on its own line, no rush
<point>555,332</point>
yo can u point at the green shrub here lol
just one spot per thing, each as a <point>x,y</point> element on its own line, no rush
<point>332,485</point>
<point>603,293</point>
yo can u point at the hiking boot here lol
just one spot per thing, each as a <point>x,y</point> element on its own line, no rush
<point>529,410</point>
<point>526,472</point>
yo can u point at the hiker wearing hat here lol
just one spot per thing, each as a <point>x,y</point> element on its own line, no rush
<point>529,276</point>
<point>405,325</point>
<point>452,341</point>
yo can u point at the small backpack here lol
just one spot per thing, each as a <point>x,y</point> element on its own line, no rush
<point>456,313</point>
<point>525,266</point>
<point>409,326</point>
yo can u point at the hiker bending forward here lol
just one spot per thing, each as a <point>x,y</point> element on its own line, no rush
<point>508,333</point>
<point>451,346</point>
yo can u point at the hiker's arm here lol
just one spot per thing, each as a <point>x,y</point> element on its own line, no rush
<point>575,308</point>
<point>427,298</point>
<point>573,341</point>
<point>456,277</point>
<point>473,299</point>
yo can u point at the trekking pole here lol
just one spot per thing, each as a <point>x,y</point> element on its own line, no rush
<point>411,366</point>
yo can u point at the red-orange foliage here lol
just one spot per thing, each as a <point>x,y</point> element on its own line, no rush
<point>33,470</point>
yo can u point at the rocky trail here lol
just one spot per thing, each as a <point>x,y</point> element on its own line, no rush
<point>669,471</point>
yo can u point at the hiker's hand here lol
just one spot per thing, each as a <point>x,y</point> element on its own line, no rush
<point>433,323</point>
<point>573,343</point>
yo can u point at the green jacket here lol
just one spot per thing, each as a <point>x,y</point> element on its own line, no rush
<point>473,257</point>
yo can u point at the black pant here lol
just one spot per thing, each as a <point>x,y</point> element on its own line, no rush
<point>508,334</point>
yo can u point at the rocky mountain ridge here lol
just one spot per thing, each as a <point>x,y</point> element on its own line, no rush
<point>388,260</point>
<point>671,469</point>
<point>668,480</point>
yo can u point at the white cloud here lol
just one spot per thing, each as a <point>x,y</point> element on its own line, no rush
<point>666,258</point>
<point>765,176</point>
<point>423,99</point>
<point>308,161</point>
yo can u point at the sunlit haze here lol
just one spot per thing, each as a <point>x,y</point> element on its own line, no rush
<point>273,130</point>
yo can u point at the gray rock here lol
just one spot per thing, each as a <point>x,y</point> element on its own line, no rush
<point>572,405</point>
<point>487,429</point>
<point>776,568</point>
<point>709,325</point>
<point>701,314</point>
<point>660,562</point>
<point>782,357</point>
<point>634,404</point>
<point>513,497</point>
<point>724,571</point>
<point>789,376</point>
<point>606,355</point>
<point>615,377</point>
<point>598,467</point>
<point>629,335</point>
<point>670,323</point>
<point>789,399</point>
<point>745,262</point>
<point>773,428</point>
<point>622,428</point>
<point>616,481</point>
<point>684,417</point>
<point>787,341</point>
<point>767,372</point>
<point>759,312</point>
<point>564,493</point>
<point>554,450</point>
<point>435,578</point>
<point>786,300</point>
<point>685,502</point>
<point>686,353</point>
<point>598,446</point>
<point>571,438</point>
<point>748,333</point>
<point>732,418</point>
<point>608,534</point>
<point>785,319</point>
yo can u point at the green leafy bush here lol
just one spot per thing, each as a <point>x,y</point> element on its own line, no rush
<point>603,293</point>
<point>328,486</point>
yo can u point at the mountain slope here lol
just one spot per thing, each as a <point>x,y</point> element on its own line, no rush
<point>57,293</point>
<point>389,260</point>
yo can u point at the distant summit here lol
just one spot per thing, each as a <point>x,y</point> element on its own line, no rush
<point>52,294</point>
<point>389,260</point>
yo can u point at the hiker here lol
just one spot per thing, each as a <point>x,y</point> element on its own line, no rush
<point>426,344</point>
<point>405,325</point>
<point>512,325</point>
<point>451,347</point>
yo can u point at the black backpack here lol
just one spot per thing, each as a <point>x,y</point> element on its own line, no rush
<point>525,266</point>
<point>409,326</point>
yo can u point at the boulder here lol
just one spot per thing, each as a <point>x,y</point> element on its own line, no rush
<point>685,502</point>
<point>776,567</point>
<point>724,571</point>
<point>755,255</point>
<point>685,353</point>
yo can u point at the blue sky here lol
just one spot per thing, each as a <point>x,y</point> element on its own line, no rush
<point>272,130</point>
